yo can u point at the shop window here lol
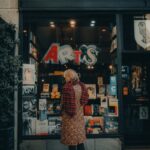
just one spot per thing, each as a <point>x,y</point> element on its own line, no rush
<point>83,44</point>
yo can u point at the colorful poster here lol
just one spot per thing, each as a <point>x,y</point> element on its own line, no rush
<point>55,94</point>
<point>45,87</point>
<point>113,106</point>
<point>111,124</point>
<point>91,90</point>
<point>94,125</point>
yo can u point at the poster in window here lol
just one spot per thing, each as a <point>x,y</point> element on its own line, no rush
<point>104,101</point>
<point>55,94</point>
<point>29,126</point>
<point>29,107</point>
<point>42,104</point>
<point>94,125</point>
<point>143,112</point>
<point>54,125</point>
<point>111,124</point>
<point>113,106</point>
<point>91,90</point>
<point>28,74</point>
<point>28,90</point>
<point>88,110</point>
<point>45,87</point>
<point>41,127</point>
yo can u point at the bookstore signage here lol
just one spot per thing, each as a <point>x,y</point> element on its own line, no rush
<point>65,53</point>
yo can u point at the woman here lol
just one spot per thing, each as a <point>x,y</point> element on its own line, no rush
<point>74,97</point>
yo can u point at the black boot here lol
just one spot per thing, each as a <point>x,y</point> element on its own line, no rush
<point>80,146</point>
<point>72,147</point>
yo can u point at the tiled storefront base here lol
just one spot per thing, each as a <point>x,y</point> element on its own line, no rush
<point>90,144</point>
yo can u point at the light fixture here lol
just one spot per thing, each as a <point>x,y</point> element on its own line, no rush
<point>93,22</point>
<point>90,67</point>
<point>104,29</point>
<point>24,31</point>
<point>52,24</point>
<point>110,67</point>
<point>72,23</point>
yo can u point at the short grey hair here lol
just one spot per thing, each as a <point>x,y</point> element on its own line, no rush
<point>72,74</point>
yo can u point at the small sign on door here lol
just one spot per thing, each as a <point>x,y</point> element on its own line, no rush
<point>144,112</point>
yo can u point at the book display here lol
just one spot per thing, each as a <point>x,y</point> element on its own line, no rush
<point>43,78</point>
<point>101,112</point>
<point>110,53</point>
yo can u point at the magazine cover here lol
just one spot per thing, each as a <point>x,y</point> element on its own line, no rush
<point>42,104</point>
<point>94,125</point>
<point>91,90</point>
<point>29,126</point>
<point>113,106</point>
<point>56,107</point>
<point>28,74</point>
<point>111,124</point>
<point>42,115</point>
<point>113,90</point>
<point>41,127</point>
<point>113,80</point>
<point>101,89</point>
<point>29,107</point>
<point>88,110</point>
<point>55,94</point>
<point>104,101</point>
<point>45,87</point>
<point>50,108</point>
<point>28,90</point>
<point>103,111</point>
<point>100,80</point>
<point>54,125</point>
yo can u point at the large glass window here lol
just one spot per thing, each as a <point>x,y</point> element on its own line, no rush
<point>55,44</point>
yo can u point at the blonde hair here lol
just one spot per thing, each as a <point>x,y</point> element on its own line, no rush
<point>71,74</point>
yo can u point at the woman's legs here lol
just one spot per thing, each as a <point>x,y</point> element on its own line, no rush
<point>72,147</point>
<point>80,146</point>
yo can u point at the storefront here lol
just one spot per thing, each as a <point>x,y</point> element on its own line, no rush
<point>108,45</point>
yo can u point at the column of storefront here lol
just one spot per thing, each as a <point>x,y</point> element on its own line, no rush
<point>9,13</point>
